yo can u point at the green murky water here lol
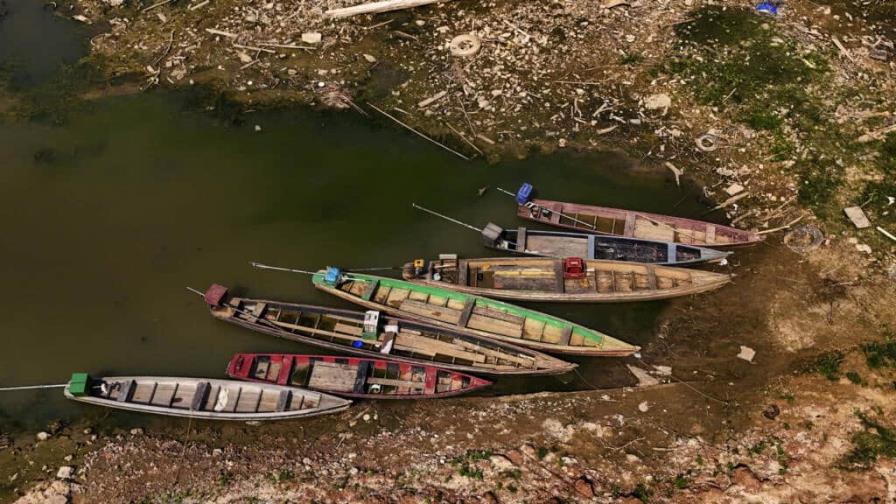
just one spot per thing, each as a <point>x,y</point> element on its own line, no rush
<point>108,217</point>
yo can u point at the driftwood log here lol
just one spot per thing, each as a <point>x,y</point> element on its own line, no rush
<point>376,7</point>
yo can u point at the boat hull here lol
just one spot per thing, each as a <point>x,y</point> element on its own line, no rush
<point>414,381</point>
<point>634,224</point>
<point>542,280</point>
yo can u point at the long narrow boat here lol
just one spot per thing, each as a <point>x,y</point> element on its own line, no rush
<point>357,377</point>
<point>369,335</point>
<point>202,398</point>
<point>561,280</point>
<point>630,223</point>
<point>535,242</point>
<point>471,314</point>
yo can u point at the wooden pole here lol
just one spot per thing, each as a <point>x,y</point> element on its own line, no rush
<point>421,135</point>
<point>377,7</point>
<point>418,207</point>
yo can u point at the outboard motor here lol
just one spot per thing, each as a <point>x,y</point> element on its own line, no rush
<point>492,235</point>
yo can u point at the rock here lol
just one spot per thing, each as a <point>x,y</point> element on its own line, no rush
<point>644,378</point>
<point>660,101</point>
<point>643,407</point>
<point>771,412</point>
<point>369,58</point>
<point>744,477</point>
<point>65,472</point>
<point>734,189</point>
<point>136,431</point>
<point>514,456</point>
<point>746,353</point>
<point>501,462</point>
<point>217,452</point>
<point>311,37</point>
<point>584,488</point>
<point>43,436</point>
<point>490,498</point>
<point>56,492</point>
<point>861,247</point>
<point>663,370</point>
<point>306,462</point>
<point>366,417</point>
<point>114,3</point>
<point>858,217</point>
<point>257,128</point>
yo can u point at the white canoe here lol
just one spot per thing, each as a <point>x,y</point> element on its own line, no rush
<point>202,398</point>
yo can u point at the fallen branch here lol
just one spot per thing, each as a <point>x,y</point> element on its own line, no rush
<point>157,4</point>
<point>730,201</point>
<point>421,135</point>
<point>886,233</point>
<point>221,33</point>
<point>782,228</point>
<point>377,7</point>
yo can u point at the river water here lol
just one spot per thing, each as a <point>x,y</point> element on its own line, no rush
<point>110,215</point>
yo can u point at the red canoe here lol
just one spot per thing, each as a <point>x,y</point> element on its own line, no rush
<point>354,376</point>
<point>634,224</point>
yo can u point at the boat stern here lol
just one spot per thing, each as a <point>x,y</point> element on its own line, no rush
<point>78,385</point>
<point>240,365</point>
<point>415,270</point>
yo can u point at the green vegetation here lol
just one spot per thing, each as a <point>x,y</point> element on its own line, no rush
<point>854,377</point>
<point>631,59</point>
<point>827,365</point>
<point>542,452</point>
<point>466,463</point>
<point>642,492</point>
<point>682,481</point>
<point>872,442</point>
<point>879,355</point>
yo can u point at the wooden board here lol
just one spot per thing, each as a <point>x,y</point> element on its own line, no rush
<point>332,376</point>
<point>443,314</point>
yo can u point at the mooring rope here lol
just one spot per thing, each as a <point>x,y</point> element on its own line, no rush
<point>33,387</point>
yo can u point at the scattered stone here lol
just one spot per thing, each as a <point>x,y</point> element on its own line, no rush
<point>366,417</point>
<point>660,101</point>
<point>734,189</point>
<point>114,3</point>
<point>257,128</point>
<point>65,472</point>
<point>584,487</point>
<point>744,477</point>
<point>43,436</point>
<point>663,370</point>
<point>501,462</point>
<point>746,353</point>
<point>369,58</point>
<point>311,37</point>
<point>136,431</point>
<point>643,407</point>
<point>771,412</point>
<point>858,217</point>
<point>861,247</point>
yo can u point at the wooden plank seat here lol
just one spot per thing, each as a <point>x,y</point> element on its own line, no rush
<point>199,396</point>
<point>283,400</point>
<point>332,376</point>
<point>127,390</point>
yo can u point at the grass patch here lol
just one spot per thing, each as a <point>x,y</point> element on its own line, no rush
<point>880,355</point>
<point>854,377</point>
<point>466,463</point>
<point>631,59</point>
<point>827,365</point>
<point>872,442</point>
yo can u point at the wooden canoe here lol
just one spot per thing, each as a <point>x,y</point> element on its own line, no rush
<point>202,398</point>
<point>401,340</point>
<point>634,224</point>
<point>535,242</point>
<point>549,279</point>
<point>472,314</point>
<point>357,377</point>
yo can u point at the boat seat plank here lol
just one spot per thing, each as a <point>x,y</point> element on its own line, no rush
<point>283,401</point>
<point>127,391</point>
<point>565,335</point>
<point>332,376</point>
<point>433,346</point>
<point>362,372</point>
<point>463,271</point>
<point>495,326</point>
<point>710,234</point>
<point>521,235</point>
<point>468,310</point>
<point>348,329</point>
<point>371,288</point>
<point>443,314</point>
<point>199,396</point>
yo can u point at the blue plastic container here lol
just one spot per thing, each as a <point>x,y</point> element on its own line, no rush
<point>333,275</point>
<point>524,194</point>
<point>767,8</point>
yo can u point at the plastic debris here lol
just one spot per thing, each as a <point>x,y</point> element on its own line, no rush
<point>746,353</point>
